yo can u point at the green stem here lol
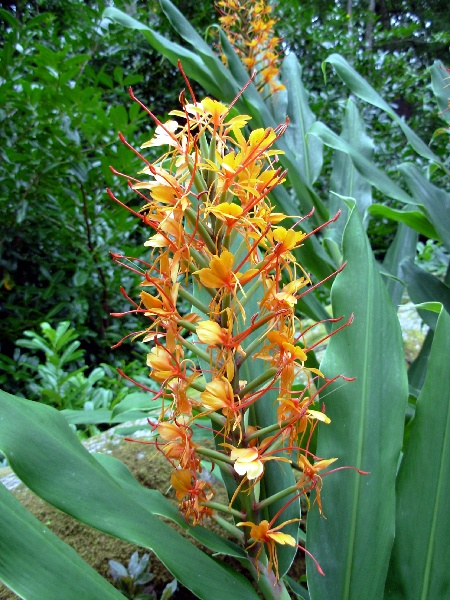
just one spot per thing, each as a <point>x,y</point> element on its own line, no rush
<point>197,351</point>
<point>187,325</point>
<point>204,233</point>
<point>265,430</point>
<point>269,374</point>
<point>226,509</point>
<point>229,527</point>
<point>278,496</point>
<point>200,387</point>
<point>215,418</point>
<point>201,261</point>
<point>267,584</point>
<point>193,300</point>
<point>216,456</point>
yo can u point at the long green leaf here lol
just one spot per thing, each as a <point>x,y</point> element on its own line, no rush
<point>419,566</point>
<point>361,88</point>
<point>159,505</point>
<point>353,543</point>
<point>439,84</point>
<point>36,564</point>
<point>435,201</point>
<point>308,152</point>
<point>193,65</point>
<point>425,287</point>
<point>345,178</point>
<point>413,218</point>
<point>216,69</point>
<point>367,168</point>
<point>402,248</point>
<point>49,459</point>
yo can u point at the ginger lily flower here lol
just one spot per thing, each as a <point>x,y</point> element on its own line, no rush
<point>263,534</point>
<point>191,492</point>
<point>311,475</point>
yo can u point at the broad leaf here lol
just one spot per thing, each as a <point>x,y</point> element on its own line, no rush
<point>435,201</point>
<point>413,218</point>
<point>36,564</point>
<point>361,88</point>
<point>366,167</point>
<point>308,151</point>
<point>353,543</point>
<point>193,65</point>
<point>49,459</point>
<point>419,563</point>
<point>345,178</point>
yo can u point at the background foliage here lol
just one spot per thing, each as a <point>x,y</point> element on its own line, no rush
<point>64,74</point>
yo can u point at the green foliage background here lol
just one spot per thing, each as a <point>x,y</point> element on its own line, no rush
<point>64,77</point>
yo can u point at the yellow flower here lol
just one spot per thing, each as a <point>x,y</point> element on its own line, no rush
<point>218,395</point>
<point>220,273</point>
<point>311,475</point>
<point>227,212</point>
<point>211,333</point>
<point>247,462</point>
<point>263,533</point>
<point>160,361</point>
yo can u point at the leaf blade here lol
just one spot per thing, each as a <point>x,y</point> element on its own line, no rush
<point>366,432</point>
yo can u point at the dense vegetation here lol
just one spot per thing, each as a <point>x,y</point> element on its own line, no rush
<point>64,79</point>
<point>292,240</point>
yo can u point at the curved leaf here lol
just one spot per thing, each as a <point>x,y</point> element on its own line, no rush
<point>307,151</point>
<point>345,178</point>
<point>50,460</point>
<point>36,564</point>
<point>413,218</point>
<point>419,567</point>
<point>353,543</point>
<point>439,84</point>
<point>361,88</point>
<point>193,65</point>
<point>366,168</point>
<point>425,287</point>
<point>435,200</point>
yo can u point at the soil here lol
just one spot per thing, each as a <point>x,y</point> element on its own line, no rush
<point>97,548</point>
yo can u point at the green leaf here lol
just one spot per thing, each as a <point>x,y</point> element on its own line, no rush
<point>345,178</point>
<point>361,88</point>
<point>353,543</point>
<point>403,247</point>
<point>193,65</point>
<point>159,505</point>
<point>36,564</point>
<point>49,459</point>
<point>366,168</point>
<point>413,218</point>
<point>435,201</point>
<point>419,564</point>
<point>425,287</point>
<point>307,152</point>
<point>439,85</point>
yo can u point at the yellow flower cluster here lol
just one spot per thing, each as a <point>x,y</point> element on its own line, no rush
<point>217,245</point>
<point>248,25</point>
